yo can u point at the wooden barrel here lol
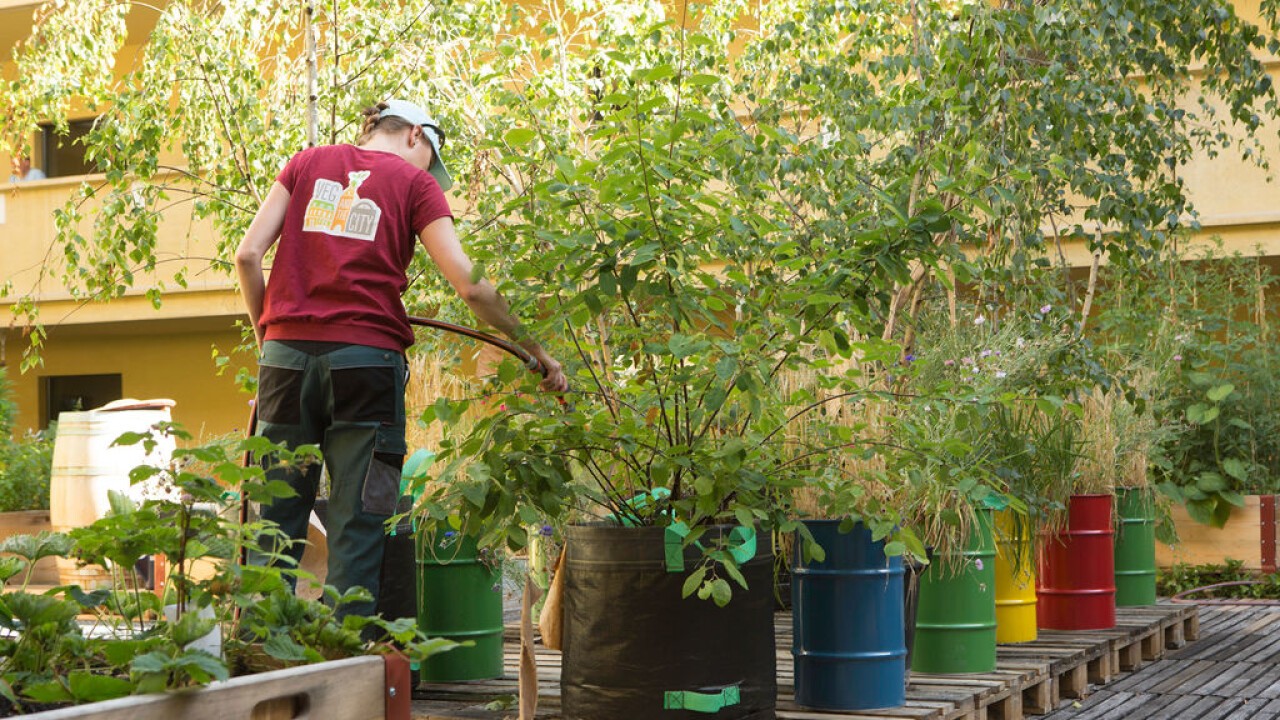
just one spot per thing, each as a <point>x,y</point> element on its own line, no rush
<point>87,466</point>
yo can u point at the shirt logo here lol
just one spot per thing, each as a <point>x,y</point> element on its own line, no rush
<point>338,211</point>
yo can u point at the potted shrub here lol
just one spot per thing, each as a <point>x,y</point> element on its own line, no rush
<point>685,289</point>
<point>849,587</point>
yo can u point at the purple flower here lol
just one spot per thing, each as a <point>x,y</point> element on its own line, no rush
<point>449,533</point>
<point>1045,310</point>
<point>978,563</point>
<point>948,363</point>
<point>546,531</point>
<point>910,358</point>
<point>1177,358</point>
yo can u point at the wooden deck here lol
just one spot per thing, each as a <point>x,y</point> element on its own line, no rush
<point>1030,679</point>
<point>1232,673</point>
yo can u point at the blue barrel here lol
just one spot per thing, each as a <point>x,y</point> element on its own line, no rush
<point>849,646</point>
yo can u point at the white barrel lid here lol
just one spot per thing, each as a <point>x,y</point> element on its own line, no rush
<point>134,404</point>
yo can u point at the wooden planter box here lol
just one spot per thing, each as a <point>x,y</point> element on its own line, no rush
<point>373,687</point>
<point>30,522</point>
<point>1249,536</point>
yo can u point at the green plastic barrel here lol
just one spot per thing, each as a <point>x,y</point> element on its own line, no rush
<point>1135,548</point>
<point>956,615</point>
<point>459,598</point>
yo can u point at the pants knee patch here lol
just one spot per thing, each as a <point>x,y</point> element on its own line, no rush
<point>381,489</point>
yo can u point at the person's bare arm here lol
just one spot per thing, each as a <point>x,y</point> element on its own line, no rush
<point>263,232</point>
<point>442,244</point>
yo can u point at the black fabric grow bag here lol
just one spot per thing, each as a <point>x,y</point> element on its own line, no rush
<point>633,646</point>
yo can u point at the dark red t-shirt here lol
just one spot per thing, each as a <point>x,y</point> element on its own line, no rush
<point>353,221</point>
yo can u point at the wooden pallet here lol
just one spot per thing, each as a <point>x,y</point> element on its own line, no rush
<point>1229,674</point>
<point>1030,679</point>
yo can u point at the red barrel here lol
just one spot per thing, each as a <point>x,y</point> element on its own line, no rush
<point>1076,588</point>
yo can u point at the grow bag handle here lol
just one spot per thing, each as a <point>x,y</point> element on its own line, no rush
<point>742,545</point>
<point>703,702</point>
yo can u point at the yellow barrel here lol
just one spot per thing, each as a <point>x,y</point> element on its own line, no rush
<point>86,466</point>
<point>1015,581</point>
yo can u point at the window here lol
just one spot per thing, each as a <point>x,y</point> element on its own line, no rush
<point>63,393</point>
<point>63,155</point>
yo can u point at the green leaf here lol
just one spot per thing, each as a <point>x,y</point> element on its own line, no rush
<point>88,600</point>
<point>1232,497</point>
<point>36,547</point>
<point>1236,469</point>
<point>735,574</point>
<point>190,628</point>
<point>153,662</point>
<point>205,663</point>
<point>519,137</point>
<point>815,551</point>
<point>10,566</point>
<point>1220,393</point>
<point>121,652</point>
<point>283,647</point>
<point>726,367</point>
<point>1201,511</point>
<point>51,691</point>
<point>661,72</point>
<point>1195,413</point>
<point>721,593</point>
<point>1220,514</point>
<point>693,582</point>
<point>1211,482</point>
<point>87,687</point>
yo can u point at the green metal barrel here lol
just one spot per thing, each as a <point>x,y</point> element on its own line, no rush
<point>1135,550</point>
<point>956,617</point>
<point>459,598</point>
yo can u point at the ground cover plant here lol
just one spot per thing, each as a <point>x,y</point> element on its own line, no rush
<point>1182,577</point>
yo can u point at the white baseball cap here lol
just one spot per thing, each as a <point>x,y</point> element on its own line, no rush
<point>416,115</point>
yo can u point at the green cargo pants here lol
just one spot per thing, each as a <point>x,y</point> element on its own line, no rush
<point>348,400</point>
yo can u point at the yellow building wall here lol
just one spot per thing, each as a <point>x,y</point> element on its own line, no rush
<point>157,359</point>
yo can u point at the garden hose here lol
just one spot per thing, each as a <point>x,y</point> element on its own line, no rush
<point>524,356</point>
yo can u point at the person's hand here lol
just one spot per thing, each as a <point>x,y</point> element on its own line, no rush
<point>553,379</point>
